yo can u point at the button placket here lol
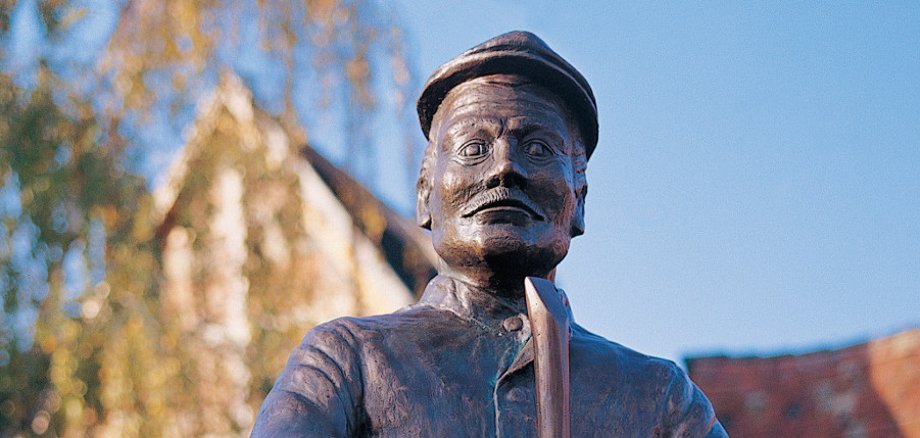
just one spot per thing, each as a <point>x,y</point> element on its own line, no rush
<point>508,395</point>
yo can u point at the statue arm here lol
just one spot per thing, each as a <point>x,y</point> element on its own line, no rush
<point>689,411</point>
<point>319,391</point>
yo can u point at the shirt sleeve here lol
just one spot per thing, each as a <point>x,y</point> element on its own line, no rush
<point>690,413</point>
<point>318,394</point>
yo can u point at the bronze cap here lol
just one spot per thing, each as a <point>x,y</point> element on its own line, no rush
<point>521,53</point>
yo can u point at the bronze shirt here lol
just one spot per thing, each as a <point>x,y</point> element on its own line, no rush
<point>460,363</point>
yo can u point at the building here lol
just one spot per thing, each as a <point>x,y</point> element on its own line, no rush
<point>866,390</point>
<point>262,239</point>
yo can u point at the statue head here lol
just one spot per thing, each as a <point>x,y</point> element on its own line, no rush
<point>510,127</point>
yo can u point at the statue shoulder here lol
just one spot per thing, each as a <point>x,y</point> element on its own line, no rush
<point>684,409</point>
<point>632,363</point>
<point>690,409</point>
<point>354,331</point>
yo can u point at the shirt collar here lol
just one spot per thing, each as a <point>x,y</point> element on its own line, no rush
<point>487,310</point>
<point>470,302</point>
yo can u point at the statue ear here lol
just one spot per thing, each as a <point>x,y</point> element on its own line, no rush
<point>578,216</point>
<point>422,214</point>
<point>579,165</point>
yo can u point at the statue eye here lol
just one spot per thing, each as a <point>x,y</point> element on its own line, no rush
<point>474,149</point>
<point>537,149</point>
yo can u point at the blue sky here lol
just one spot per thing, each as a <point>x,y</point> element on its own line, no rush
<point>756,188</point>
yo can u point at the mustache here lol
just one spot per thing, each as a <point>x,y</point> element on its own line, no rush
<point>503,196</point>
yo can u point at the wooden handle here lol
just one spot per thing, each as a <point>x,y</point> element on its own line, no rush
<point>549,323</point>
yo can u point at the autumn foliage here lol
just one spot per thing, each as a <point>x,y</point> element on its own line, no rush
<point>88,345</point>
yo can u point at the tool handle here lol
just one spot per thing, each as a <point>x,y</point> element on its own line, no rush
<point>549,323</point>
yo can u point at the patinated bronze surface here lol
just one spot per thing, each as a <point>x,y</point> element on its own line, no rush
<point>510,126</point>
<point>550,324</point>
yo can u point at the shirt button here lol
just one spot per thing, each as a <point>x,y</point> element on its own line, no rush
<point>516,394</point>
<point>513,324</point>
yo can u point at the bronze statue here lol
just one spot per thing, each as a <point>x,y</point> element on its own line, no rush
<point>511,126</point>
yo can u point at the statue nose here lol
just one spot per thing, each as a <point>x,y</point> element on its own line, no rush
<point>506,170</point>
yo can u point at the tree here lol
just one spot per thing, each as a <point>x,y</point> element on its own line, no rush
<point>84,345</point>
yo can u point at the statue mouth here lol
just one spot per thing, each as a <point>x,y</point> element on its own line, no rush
<point>503,199</point>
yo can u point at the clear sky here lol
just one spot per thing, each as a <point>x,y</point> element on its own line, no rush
<point>756,187</point>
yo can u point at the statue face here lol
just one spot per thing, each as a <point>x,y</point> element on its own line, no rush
<point>503,186</point>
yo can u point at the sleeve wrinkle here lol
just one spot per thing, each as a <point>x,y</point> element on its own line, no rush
<point>692,413</point>
<point>326,358</point>
<point>324,364</point>
<point>674,396</point>
<point>338,389</point>
<point>341,337</point>
<point>300,398</point>
<point>358,368</point>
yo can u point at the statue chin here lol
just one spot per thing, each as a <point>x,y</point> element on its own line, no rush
<point>500,254</point>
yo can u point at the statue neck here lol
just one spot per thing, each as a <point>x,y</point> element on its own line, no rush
<point>506,286</point>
